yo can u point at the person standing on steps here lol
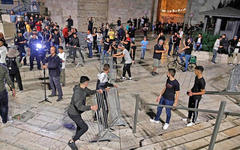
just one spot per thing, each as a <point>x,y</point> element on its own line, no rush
<point>195,95</point>
<point>157,55</point>
<point>78,106</point>
<point>168,96</point>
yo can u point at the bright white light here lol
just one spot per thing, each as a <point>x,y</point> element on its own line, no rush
<point>39,46</point>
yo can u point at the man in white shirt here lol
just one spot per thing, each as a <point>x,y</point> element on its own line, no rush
<point>215,49</point>
<point>63,57</point>
<point>89,43</point>
<point>128,61</point>
<point>3,53</point>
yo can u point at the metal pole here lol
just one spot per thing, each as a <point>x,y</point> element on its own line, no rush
<point>217,125</point>
<point>136,113</point>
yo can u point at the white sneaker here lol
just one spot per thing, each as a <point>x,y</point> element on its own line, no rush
<point>190,124</point>
<point>166,125</point>
<point>184,119</point>
<point>154,121</point>
<point>130,78</point>
<point>123,78</point>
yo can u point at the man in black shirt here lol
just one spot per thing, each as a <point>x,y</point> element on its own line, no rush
<point>157,55</point>
<point>195,95</point>
<point>54,67</point>
<point>69,22</point>
<point>56,39</point>
<point>78,106</point>
<point>167,97</point>
<point>186,52</point>
<point>119,22</point>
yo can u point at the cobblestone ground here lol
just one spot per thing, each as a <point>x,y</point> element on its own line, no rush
<point>39,126</point>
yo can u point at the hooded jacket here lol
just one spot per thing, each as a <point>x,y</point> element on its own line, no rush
<point>78,101</point>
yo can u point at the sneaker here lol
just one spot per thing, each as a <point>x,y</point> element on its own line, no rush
<point>185,119</point>
<point>154,121</point>
<point>123,78</point>
<point>166,125</point>
<point>190,124</point>
<point>59,99</point>
<point>72,145</point>
<point>51,95</point>
<point>130,78</point>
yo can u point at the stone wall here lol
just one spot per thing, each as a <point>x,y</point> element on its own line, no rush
<point>98,9</point>
<point>128,8</point>
<point>59,11</point>
<point>198,6</point>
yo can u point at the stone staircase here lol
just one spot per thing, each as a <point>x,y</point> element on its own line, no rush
<point>196,137</point>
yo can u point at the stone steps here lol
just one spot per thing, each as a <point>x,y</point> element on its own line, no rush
<point>196,137</point>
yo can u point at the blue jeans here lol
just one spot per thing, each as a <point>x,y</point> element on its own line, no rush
<point>55,85</point>
<point>175,49</point>
<point>170,49</point>
<point>164,101</point>
<point>143,52</point>
<point>187,58</point>
<point>197,48</point>
<point>90,50</point>
<point>105,55</point>
<point>99,48</point>
<point>214,55</point>
<point>4,105</point>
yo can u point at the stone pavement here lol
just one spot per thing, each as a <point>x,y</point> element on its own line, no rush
<point>38,126</point>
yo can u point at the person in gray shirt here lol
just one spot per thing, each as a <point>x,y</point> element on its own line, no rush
<point>4,78</point>
<point>78,106</point>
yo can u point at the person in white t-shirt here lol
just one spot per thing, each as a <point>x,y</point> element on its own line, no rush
<point>63,57</point>
<point>89,40</point>
<point>181,33</point>
<point>3,53</point>
<point>128,61</point>
<point>215,49</point>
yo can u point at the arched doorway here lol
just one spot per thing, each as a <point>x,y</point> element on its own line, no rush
<point>171,10</point>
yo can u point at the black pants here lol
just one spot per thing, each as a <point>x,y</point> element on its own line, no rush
<point>4,106</point>
<point>82,127</point>
<point>18,78</point>
<point>193,103</point>
<point>127,68</point>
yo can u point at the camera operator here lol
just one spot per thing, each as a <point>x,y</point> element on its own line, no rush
<point>12,65</point>
<point>34,51</point>
<point>20,41</point>
<point>54,68</point>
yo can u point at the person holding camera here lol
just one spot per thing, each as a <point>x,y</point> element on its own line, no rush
<point>78,106</point>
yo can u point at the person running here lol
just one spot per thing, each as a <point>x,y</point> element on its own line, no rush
<point>157,55</point>
<point>195,95</point>
<point>78,106</point>
<point>127,63</point>
<point>168,96</point>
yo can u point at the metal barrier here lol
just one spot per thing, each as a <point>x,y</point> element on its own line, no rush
<point>108,114</point>
<point>219,113</point>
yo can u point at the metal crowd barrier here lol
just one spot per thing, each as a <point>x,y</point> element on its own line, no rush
<point>220,113</point>
<point>79,54</point>
<point>108,114</point>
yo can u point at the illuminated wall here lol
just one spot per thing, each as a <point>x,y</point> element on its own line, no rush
<point>172,10</point>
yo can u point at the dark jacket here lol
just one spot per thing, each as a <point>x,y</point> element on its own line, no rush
<point>78,101</point>
<point>54,65</point>
<point>232,44</point>
<point>74,42</point>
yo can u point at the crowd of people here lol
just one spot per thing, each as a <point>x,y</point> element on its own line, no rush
<point>43,40</point>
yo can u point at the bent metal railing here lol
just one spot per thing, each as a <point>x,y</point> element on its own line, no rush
<point>219,113</point>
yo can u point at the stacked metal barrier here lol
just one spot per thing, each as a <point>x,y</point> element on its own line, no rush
<point>108,114</point>
<point>234,81</point>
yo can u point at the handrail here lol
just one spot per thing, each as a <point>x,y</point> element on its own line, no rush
<point>219,113</point>
<point>194,109</point>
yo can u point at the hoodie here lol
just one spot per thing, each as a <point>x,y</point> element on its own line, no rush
<point>78,101</point>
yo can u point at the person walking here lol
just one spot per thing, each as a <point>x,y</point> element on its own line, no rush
<point>78,106</point>
<point>4,78</point>
<point>215,49</point>
<point>144,44</point>
<point>168,96</point>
